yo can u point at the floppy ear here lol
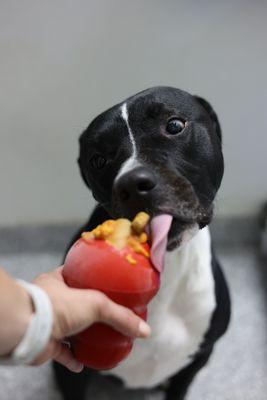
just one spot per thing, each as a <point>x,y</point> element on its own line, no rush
<point>80,163</point>
<point>206,105</point>
<point>81,171</point>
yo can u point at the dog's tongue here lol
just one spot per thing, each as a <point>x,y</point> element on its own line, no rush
<point>159,228</point>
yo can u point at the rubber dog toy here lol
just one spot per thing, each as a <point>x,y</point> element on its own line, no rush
<point>115,259</point>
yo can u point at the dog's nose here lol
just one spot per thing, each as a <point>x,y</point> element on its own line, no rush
<point>135,186</point>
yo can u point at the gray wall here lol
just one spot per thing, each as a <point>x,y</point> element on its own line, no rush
<point>63,62</point>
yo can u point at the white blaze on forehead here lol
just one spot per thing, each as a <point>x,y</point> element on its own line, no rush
<point>132,161</point>
<point>124,113</point>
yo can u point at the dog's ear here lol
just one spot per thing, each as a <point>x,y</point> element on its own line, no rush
<point>206,105</point>
<point>79,160</point>
<point>81,170</point>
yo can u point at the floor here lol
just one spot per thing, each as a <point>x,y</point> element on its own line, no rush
<point>238,367</point>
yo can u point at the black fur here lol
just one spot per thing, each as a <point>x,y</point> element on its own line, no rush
<point>178,174</point>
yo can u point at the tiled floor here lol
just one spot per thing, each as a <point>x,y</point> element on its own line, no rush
<point>237,370</point>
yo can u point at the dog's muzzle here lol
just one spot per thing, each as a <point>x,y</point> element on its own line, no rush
<point>134,191</point>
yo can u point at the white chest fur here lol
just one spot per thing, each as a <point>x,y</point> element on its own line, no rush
<point>179,316</point>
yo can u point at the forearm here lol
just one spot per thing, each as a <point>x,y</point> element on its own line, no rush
<point>15,313</point>
<point>59,308</point>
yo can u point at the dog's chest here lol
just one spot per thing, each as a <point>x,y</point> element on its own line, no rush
<point>179,316</point>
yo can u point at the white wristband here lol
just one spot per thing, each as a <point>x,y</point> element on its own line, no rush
<point>38,332</point>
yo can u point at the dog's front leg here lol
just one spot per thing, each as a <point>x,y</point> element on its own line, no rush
<point>179,383</point>
<point>72,386</point>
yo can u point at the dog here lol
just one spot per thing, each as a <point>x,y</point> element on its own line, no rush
<point>160,151</point>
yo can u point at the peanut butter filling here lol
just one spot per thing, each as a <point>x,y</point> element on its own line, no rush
<point>121,233</point>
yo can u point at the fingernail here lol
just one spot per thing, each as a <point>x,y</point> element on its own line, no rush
<point>76,366</point>
<point>144,329</point>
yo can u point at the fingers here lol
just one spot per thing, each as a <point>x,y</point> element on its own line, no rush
<point>61,353</point>
<point>64,356</point>
<point>121,318</point>
<point>77,309</point>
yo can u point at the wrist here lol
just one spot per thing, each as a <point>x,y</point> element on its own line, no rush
<point>17,318</point>
<point>16,311</point>
<point>25,310</point>
<point>38,332</point>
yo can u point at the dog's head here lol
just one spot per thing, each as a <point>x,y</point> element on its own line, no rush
<point>159,151</point>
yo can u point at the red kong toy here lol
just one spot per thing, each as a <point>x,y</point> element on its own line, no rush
<point>113,258</point>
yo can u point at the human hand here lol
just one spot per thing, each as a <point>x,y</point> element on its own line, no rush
<point>77,309</point>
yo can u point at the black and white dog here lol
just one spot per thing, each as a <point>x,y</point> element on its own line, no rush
<point>160,151</point>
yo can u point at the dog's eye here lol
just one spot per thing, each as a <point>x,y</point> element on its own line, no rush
<point>98,161</point>
<point>174,126</point>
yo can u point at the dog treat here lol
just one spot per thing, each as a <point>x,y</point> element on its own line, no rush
<point>115,259</point>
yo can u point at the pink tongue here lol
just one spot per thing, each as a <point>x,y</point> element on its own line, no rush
<point>159,228</point>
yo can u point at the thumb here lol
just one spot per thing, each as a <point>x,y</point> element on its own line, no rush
<point>121,318</point>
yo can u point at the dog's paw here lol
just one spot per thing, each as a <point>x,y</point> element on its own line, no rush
<point>157,395</point>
